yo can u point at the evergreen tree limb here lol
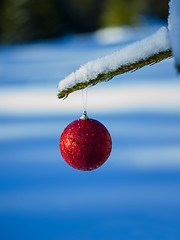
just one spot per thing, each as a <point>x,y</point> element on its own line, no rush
<point>122,69</point>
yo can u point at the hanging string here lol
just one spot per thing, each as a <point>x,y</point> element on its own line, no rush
<point>84,99</point>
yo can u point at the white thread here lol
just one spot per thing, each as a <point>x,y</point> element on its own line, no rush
<point>84,98</point>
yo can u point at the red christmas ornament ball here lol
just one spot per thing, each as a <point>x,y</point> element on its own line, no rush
<point>85,144</point>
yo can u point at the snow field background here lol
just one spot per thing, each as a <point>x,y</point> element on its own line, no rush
<point>135,194</point>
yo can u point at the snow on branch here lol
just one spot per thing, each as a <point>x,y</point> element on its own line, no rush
<point>174,28</point>
<point>134,56</point>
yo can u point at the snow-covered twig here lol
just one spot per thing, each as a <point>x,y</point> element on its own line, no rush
<point>145,52</point>
<point>174,29</point>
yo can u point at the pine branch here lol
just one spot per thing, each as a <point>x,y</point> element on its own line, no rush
<point>122,69</point>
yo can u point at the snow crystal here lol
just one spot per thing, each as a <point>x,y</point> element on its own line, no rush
<point>174,28</point>
<point>147,47</point>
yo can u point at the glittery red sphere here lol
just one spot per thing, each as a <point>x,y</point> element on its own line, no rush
<point>85,144</point>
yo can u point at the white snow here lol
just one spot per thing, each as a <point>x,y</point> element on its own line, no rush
<point>174,28</point>
<point>132,53</point>
<point>135,97</point>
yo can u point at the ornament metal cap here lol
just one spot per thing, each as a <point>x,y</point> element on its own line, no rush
<point>84,116</point>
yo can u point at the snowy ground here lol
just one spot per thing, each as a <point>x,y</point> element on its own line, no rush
<point>136,193</point>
